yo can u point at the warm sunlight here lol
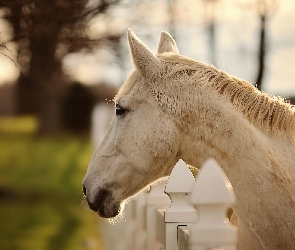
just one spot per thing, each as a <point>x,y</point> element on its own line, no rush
<point>8,70</point>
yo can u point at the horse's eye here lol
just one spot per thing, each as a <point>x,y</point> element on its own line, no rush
<point>120,111</point>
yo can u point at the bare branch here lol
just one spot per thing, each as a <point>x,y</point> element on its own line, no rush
<point>3,46</point>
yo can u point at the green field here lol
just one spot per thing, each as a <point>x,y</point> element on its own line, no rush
<point>41,204</point>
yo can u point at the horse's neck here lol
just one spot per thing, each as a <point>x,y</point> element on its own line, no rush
<point>213,127</point>
<point>218,130</point>
<point>239,147</point>
<point>258,166</point>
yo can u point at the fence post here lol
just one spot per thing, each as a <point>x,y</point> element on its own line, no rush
<point>155,199</point>
<point>212,196</point>
<point>181,212</point>
<point>128,225</point>
<point>140,227</point>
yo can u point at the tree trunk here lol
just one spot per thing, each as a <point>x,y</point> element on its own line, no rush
<point>45,75</point>
<point>39,87</point>
<point>261,53</point>
<point>212,42</point>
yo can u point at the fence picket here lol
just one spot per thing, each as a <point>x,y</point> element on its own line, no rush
<point>181,212</point>
<point>181,226</point>
<point>155,199</point>
<point>140,228</point>
<point>212,196</point>
<point>183,234</point>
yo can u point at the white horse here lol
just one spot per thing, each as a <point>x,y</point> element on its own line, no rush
<point>173,107</point>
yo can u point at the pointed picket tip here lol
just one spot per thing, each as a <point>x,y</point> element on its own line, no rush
<point>181,180</point>
<point>212,186</point>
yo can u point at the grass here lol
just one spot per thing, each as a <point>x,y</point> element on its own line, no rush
<point>40,190</point>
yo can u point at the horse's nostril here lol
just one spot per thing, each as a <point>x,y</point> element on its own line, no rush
<point>84,189</point>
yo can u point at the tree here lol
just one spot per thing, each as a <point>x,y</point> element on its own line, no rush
<point>264,9</point>
<point>45,31</point>
<point>210,6</point>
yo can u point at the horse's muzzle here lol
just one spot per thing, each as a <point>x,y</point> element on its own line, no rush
<point>103,203</point>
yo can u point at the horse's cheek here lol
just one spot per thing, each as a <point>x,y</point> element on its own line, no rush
<point>165,144</point>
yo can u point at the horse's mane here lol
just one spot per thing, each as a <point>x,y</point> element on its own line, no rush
<point>270,113</point>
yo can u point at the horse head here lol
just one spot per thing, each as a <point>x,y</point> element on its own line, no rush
<point>142,142</point>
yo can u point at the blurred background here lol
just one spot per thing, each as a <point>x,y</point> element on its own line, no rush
<point>59,59</point>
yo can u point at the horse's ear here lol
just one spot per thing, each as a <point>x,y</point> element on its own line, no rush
<point>142,56</point>
<point>167,44</point>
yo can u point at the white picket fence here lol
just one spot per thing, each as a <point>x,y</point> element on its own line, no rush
<point>194,217</point>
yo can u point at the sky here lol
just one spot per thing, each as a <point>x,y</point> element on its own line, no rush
<point>237,38</point>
